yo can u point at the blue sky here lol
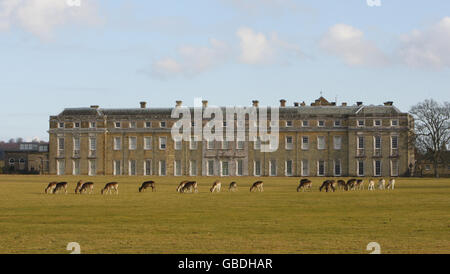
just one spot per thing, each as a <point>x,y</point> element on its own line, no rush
<point>115,53</point>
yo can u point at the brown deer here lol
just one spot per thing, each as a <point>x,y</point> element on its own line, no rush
<point>146,185</point>
<point>233,187</point>
<point>258,186</point>
<point>341,184</point>
<point>359,184</point>
<point>109,187</point>
<point>78,187</point>
<point>50,187</point>
<point>216,186</point>
<point>327,184</point>
<point>60,186</point>
<point>180,186</point>
<point>350,184</point>
<point>85,187</point>
<point>304,184</point>
<point>190,186</point>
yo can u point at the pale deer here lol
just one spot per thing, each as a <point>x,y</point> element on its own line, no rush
<point>391,184</point>
<point>146,185</point>
<point>216,186</point>
<point>232,187</point>
<point>60,186</point>
<point>304,184</point>
<point>381,183</point>
<point>371,185</point>
<point>341,184</point>
<point>181,185</point>
<point>109,187</point>
<point>87,186</point>
<point>190,186</point>
<point>258,186</point>
<point>50,187</point>
<point>79,184</point>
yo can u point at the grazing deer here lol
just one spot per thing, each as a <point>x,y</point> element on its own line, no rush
<point>86,186</point>
<point>146,185</point>
<point>381,183</point>
<point>60,186</point>
<point>341,184</point>
<point>216,186</point>
<point>257,186</point>
<point>350,184</point>
<point>371,185</point>
<point>79,185</point>
<point>391,184</point>
<point>359,184</point>
<point>304,184</point>
<point>327,184</point>
<point>109,187</point>
<point>233,187</point>
<point>181,185</point>
<point>190,186</point>
<point>50,187</point>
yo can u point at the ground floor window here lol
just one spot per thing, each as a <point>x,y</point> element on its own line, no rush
<point>321,168</point>
<point>117,170</point>
<point>288,168</point>
<point>239,167</point>
<point>305,168</point>
<point>337,168</point>
<point>148,167</point>
<point>92,168</point>
<point>257,171</point>
<point>377,168</point>
<point>162,168</point>
<point>60,166</point>
<point>360,167</point>
<point>210,168</point>
<point>225,171</point>
<point>273,167</point>
<point>76,167</point>
<point>193,168</point>
<point>177,167</point>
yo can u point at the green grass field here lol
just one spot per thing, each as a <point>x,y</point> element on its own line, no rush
<point>414,218</point>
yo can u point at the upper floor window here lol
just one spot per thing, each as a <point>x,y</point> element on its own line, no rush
<point>240,144</point>
<point>133,143</point>
<point>376,123</point>
<point>147,143</point>
<point>305,123</point>
<point>337,142</point>
<point>320,142</point>
<point>305,142</point>
<point>288,123</point>
<point>132,124</point>
<point>289,143</point>
<point>61,125</point>
<point>360,123</point>
<point>92,125</point>
<point>117,143</point>
<point>321,123</point>
<point>360,142</point>
<point>394,142</point>
<point>257,144</point>
<point>117,124</point>
<point>76,125</point>
<point>148,124</point>
<point>337,123</point>
<point>162,143</point>
<point>178,144</point>
<point>193,143</point>
<point>162,124</point>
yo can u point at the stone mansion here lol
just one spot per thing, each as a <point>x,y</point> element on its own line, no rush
<point>320,139</point>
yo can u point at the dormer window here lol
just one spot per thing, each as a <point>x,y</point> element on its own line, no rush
<point>360,123</point>
<point>394,123</point>
<point>162,124</point>
<point>377,123</point>
<point>305,123</point>
<point>148,124</point>
<point>337,123</point>
<point>92,124</point>
<point>76,125</point>
<point>321,123</point>
<point>288,123</point>
<point>61,125</point>
<point>117,125</point>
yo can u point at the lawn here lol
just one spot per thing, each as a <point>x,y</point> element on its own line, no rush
<point>413,218</point>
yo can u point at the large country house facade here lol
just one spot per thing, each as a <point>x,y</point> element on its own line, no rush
<point>320,139</point>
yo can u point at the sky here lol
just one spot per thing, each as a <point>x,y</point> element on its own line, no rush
<point>115,53</point>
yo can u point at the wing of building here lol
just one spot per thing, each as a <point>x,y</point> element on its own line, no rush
<point>320,139</point>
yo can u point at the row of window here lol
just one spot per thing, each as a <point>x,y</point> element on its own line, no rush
<point>289,123</point>
<point>224,168</point>
<point>289,143</point>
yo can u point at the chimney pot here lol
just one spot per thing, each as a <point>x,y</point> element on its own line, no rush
<point>255,103</point>
<point>143,104</point>
<point>359,103</point>
<point>303,104</point>
<point>344,104</point>
<point>388,103</point>
<point>282,103</point>
<point>95,106</point>
<point>179,103</point>
<point>205,103</point>
<point>296,104</point>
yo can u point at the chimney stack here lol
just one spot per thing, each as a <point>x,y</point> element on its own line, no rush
<point>205,103</point>
<point>303,104</point>
<point>344,104</point>
<point>94,106</point>
<point>282,103</point>
<point>359,103</point>
<point>388,103</point>
<point>179,103</point>
<point>296,104</point>
<point>143,104</point>
<point>255,103</point>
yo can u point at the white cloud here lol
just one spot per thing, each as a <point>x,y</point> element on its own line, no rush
<point>192,60</point>
<point>268,7</point>
<point>349,44</point>
<point>258,48</point>
<point>41,17</point>
<point>427,48</point>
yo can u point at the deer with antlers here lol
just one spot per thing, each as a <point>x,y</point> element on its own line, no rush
<point>258,186</point>
<point>109,187</point>
<point>216,186</point>
<point>304,184</point>
<point>146,185</point>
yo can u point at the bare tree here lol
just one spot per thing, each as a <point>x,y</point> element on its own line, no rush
<point>432,123</point>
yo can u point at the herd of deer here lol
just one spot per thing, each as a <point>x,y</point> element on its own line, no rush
<point>192,186</point>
